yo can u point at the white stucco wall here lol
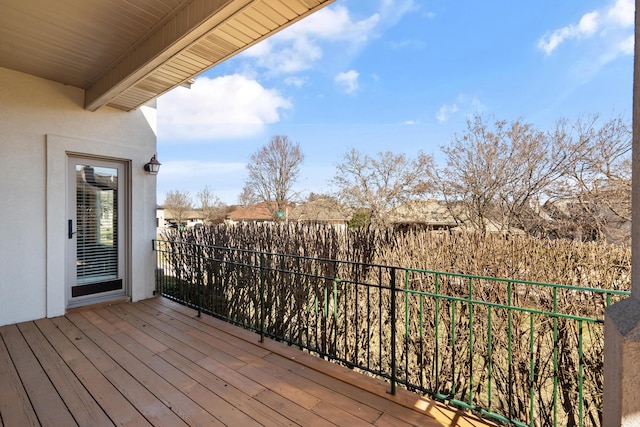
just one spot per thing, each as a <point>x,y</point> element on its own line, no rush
<point>40,122</point>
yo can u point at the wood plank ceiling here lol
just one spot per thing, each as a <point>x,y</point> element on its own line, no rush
<point>126,53</point>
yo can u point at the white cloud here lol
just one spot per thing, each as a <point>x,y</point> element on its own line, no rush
<point>626,46</point>
<point>586,27</point>
<point>610,25</point>
<point>475,103</point>
<point>298,47</point>
<point>410,122</point>
<point>588,24</point>
<point>391,11</point>
<point>302,45</point>
<point>412,44</point>
<point>231,106</point>
<point>622,13</point>
<point>445,112</point>
<point>348,81</point>
<point>296,81</point>
<point>334,23</point>
<point>284,58</point>
<point>464,103</point>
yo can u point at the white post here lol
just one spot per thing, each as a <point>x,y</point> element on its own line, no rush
<point>622,320</point>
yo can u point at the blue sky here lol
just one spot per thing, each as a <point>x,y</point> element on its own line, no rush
<point>394,75</point>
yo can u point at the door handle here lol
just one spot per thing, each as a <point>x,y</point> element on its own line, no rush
<point>70,229</point>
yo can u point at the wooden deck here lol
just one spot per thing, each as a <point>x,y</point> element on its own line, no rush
<point>155,363</point>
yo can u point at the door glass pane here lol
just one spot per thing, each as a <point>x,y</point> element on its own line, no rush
<point>97,223</point>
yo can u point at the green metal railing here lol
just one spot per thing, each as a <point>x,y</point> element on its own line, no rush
<point>518,352</point>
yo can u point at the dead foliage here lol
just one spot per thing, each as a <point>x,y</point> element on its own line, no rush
<point>493,345</point>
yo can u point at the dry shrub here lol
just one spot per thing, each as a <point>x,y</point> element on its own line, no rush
<point>333,298</point>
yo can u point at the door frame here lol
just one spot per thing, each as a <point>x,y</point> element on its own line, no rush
<point>123,232</point>
<point>140,215</point>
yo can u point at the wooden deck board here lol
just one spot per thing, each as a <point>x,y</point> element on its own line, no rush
<point>15,406</point>
<point>84,409</point>
<point>233,395</point>
<point>155,363</point>
<point>122,377</point>
<point>47,403</point>
<point>159,387</point>
<point>119,409</point>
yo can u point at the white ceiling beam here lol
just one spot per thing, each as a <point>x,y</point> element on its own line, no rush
<point>185,26</point>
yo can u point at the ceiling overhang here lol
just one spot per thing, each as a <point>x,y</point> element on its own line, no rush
<point>172,45</point>
<point>195,38</point>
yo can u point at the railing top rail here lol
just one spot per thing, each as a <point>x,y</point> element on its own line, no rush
<point>520,282</point>
<point>528,310</point>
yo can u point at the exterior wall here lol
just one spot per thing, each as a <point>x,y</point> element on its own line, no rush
<point>40,122</point>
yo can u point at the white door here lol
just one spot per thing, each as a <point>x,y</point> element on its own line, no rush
<point>95,230</point>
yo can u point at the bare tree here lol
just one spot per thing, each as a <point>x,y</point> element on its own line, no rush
<point>179,203</point>
<point>273,170</point>
<point>593,197</point>
<point>246,197</point>
<point>376,185</point>
<point>212,208</point>
<point>496,171</point>
<point>571,180</point>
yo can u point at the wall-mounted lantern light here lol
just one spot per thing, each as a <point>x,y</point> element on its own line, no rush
<point>153,166</point>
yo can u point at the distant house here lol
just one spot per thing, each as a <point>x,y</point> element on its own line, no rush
<point>425,214</point>
<point>259,212</point>
<point>572,219</point>
<point>434,215</point>
<point>190,218</point>
<point>322,210</point>
<point>161,223</point>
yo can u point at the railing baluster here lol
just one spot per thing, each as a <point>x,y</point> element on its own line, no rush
<point>437,337</point>
<point>509,349</point>
<point>452,308</point>
<point>368,343</point>
<point>393,330</point>
<point>580,376</point>
<point>420,357</point>
<point>199,275</point>
<point>407,324</point>
<point>489,356</point>
<point>380,316</point>
<point>335,316</point>
<point>555,357</point>
<point>262,274</point>
<point>531,367</point>
<point>470,341</point>
<point>356,343</point>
